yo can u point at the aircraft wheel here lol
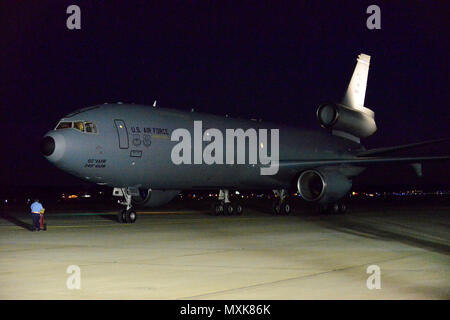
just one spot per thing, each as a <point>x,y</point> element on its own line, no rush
<point>335,208</point>
<point>217,208</point>
<point>276,207</point>
<point>322,209</point>
<point>286,208</point>
<point>121,216</point>
<point>130,216</point>
<point>342,208</point>
<point>229,209</point>
<point>238,209</point>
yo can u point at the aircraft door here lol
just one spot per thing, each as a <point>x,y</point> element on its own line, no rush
<point>122,133</point>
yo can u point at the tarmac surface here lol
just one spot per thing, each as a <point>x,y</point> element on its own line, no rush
<point>189,254</point>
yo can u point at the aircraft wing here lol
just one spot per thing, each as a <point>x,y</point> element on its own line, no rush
<point>359,161</point>
<point>378,151</point>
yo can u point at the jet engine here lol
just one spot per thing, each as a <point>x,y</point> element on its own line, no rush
<point>323,186</point>
<point>359,122</point>
<point>153,198</point>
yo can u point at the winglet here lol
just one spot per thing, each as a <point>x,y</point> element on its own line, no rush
<point>356,91</point>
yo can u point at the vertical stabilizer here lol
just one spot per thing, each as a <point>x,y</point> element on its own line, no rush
<point>356,91</point>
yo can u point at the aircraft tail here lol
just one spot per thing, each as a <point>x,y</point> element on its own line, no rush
<point>350,119</point>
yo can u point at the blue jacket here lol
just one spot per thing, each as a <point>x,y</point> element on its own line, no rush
<point>36,207</point>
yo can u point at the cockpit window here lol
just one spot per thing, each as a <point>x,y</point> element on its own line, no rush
<point>83,126</point>
<point>79,125</point>
<point>90,127</point>
<point>64,125</point>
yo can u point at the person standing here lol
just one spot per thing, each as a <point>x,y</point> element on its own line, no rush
<point>36,208</point>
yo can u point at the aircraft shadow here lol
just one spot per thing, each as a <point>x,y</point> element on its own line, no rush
<point>373,231</point>
<point>17,222</point>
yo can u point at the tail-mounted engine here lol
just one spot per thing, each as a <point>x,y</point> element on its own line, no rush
<point>357,122</point>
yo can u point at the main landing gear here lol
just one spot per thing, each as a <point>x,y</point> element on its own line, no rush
<point>127,215</point>
<point>281,205</point>
<point>223,206</point>
<point>333,208</point>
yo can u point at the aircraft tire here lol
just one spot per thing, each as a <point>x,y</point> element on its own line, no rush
<point>130,216</point>
<point>121,216</point>
<point>342,208</point>
<point>238,209</point>
<point>286,208</point>
<point>276,207</point>
<point>229,209</point>
<point>217,208</point>
<point>322,209</point>
<point>335,208</point>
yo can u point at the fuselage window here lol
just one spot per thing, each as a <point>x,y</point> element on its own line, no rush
<point>64,125</point>
<point>79,125</point>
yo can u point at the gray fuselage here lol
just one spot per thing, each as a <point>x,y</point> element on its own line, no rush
<point>132,147</point>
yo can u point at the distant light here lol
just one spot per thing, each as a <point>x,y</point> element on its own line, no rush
<point>73,196</point>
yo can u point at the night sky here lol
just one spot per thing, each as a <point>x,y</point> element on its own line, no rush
<point>272,60</point>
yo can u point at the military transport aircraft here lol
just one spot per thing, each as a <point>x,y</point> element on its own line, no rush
<point>149,154</point>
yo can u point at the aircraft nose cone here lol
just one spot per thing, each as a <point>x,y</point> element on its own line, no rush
<point>47,146</point>
<point>53,146</point>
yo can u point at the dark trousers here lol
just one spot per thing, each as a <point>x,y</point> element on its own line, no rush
<point>36,221</point>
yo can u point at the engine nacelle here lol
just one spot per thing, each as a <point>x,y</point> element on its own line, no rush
<point>323,186</point>
<point>359,122</point>
<point>153,198</point>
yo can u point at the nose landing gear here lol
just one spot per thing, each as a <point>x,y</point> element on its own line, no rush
<point>127,215</point>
